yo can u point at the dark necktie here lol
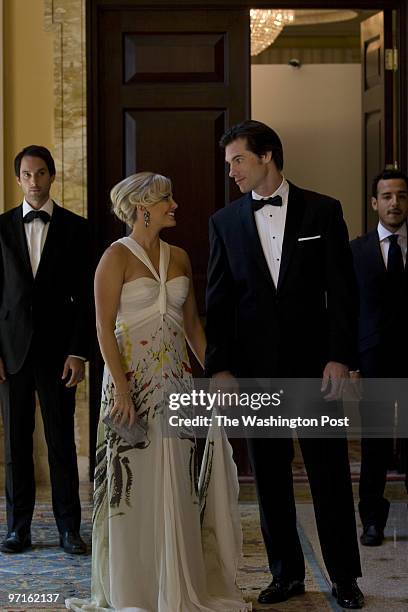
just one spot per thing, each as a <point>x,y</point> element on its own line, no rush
<point>395,263</point>
<point>258,204</point>
<point>395,298</point>
<point>37,214</point>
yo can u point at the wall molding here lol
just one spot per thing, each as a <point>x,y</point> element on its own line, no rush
<point>66,19</point>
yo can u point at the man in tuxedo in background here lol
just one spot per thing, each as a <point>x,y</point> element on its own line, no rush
<point>382,276</point>
<point>46,297</point>
<point>281,302</point>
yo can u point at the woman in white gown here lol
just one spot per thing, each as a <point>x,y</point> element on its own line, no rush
<point>163,540</point>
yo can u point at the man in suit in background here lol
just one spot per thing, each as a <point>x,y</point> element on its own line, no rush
<point>45,301</point>
<point>281,303</point>
<point>382,276</point>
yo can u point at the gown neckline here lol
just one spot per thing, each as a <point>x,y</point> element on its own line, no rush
<point>151,267</point>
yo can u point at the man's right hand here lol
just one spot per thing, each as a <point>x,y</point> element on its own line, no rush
<point>2,371</point>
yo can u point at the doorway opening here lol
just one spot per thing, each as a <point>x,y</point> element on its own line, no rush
<point>311,84</point>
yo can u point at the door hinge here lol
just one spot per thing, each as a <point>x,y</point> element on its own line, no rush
<point>391,59</point>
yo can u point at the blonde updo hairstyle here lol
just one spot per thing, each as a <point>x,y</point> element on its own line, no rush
<point>143,188</point>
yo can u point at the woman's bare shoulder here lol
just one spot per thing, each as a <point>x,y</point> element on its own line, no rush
<point>115,255</point>
<point>181,259</point>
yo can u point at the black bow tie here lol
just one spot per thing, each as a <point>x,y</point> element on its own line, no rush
<point>258,204</point>
<point>37,214</point>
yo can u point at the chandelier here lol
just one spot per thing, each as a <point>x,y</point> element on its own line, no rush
<point>266,25</point>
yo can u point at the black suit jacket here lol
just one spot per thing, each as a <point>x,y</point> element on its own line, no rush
<point>56,305</point>
<point>379,319</point>
<point>310,318</point>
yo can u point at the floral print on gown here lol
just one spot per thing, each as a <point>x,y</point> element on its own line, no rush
<point>163,540</point>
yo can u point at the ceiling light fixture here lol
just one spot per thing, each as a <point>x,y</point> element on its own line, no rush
<point>266,25</point>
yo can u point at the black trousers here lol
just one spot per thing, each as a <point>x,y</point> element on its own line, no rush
<point>17,394</point>
<point>328,470</point>
<point>383,362</point>
<point>376,456</point>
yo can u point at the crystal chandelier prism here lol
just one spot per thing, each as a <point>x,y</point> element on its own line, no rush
<point>266,25</point>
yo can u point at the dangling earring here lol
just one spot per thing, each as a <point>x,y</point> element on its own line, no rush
<point>146,217</point>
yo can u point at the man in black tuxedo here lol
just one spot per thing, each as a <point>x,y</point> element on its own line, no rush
<point>46,297</point>
<point>382,276</point>
<point>281,303</point>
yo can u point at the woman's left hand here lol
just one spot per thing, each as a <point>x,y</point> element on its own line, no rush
<point>123,410</point>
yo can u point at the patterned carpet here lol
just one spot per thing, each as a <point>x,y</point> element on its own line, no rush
<point>46,569</point>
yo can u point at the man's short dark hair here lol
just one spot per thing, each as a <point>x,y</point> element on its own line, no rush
<point>35,151</point>
<point>260,139</point>
<point>387,175</point>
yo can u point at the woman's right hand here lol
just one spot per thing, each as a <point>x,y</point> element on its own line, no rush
<point>123,411</point>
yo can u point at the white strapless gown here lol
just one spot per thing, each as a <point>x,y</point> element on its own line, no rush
<point>150,551</point>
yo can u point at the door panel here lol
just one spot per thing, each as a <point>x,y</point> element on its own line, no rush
<point>174,58</point>
<point>377,104</point>
<point>169,83</point>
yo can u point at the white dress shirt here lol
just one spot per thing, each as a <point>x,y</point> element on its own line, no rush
<point>36,233</point>
<point>383,235</point>
<point>270,222</point>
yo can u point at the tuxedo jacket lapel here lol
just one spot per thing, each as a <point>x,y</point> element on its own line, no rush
<point>374,254</point>
<point>252,237</point>
<point>294,217</point>
<point>18,238</point>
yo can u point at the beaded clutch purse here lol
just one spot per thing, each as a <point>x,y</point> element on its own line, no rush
<point>135,436</point>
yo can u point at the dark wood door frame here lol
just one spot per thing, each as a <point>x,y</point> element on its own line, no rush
<point>402,21</point>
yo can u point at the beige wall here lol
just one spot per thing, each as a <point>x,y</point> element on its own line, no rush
<point>28,119</point>
<point>316,110</point>
<point>28,90</point>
